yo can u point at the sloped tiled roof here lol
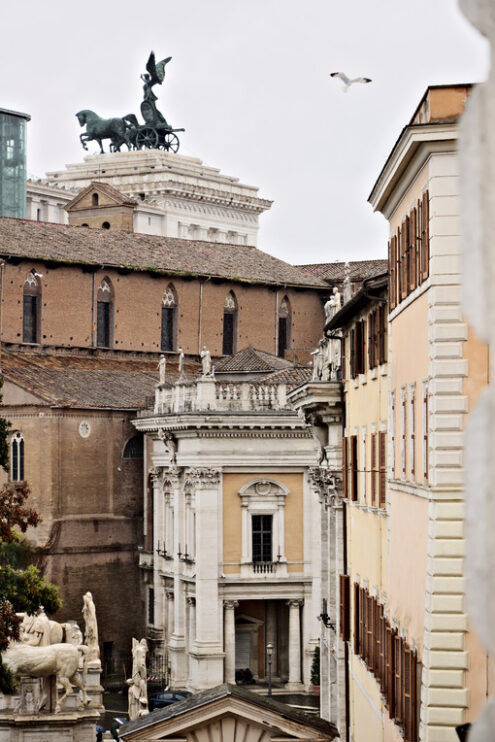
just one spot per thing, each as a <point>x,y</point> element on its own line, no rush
<point>251,360</point>
<point>293,377</point>
<point>85,382</point>
<point>359,270</point>
<point>142,252</point>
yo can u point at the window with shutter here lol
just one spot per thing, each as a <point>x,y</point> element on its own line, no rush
<point>357,618</point>
<point>392,276</point>
<point>425,236</point>
<point>345,473</point>
<point>406,256</point>
<point>344,358</point>
<point>382,334</point>
<point>345,587</point>
<point>362,621</point>
<point>382,469</point>
<point>371,340</point>
<point>354,468</point>
<point>398,679</point>
<point>413,242</point>
<point>403,432</point>
<point>390,671</point>
<point>425,432</point>
<point>369,658</point>
<point>373,469</point>
<point>352,351</point>
<point>412,431</point>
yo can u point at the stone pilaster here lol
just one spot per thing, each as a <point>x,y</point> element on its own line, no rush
<point>207,656</point>
<point>294,644</point>
<point>229,639</point>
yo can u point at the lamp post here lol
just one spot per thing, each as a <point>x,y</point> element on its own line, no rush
<point>269,655</point>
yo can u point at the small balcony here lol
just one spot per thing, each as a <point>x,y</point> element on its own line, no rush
<point>264,567</point>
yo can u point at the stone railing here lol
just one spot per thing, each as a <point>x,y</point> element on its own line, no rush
<point>209,394</point>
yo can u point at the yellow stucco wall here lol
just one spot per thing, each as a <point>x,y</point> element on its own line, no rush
<point>365,703</point>
<point>232,523</point>
<point>409,364</point>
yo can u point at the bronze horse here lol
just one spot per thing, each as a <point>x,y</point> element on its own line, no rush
<point>98,129</point>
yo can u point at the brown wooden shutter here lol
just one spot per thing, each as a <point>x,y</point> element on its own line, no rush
<point>391,272</point>
<point>390,672</point>
<point>369,632</point>
<point>363,346</point>
<point>352,352</point>
<point>383,640</point>
<point>357,618</point>
<point>399,265</point>
<point>376,638</point>
<point>382,469</point>
<point>345,588</point>
<point>425,237</point>
<point>407,257</point>
<point>409,686</point>
<point>362,622</point>
<point>398,678</point>
<point>343,370</point>
<point>382,333</point>
<point>371,340</point>
<point>413,233</point>
<point>373,469</point>
<point>354,468</point>
<point>345,475</point>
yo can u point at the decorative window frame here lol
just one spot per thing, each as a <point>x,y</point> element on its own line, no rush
<point>17,441</point>
<point>262,496</point>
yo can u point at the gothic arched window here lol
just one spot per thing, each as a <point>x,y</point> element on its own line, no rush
<point>17,458</point>
<point>284,327</point>
<point>229,341</point>
<point>134,448</point>
<point>104,318</point>
<point>169,319</point>
<point>31,309</point>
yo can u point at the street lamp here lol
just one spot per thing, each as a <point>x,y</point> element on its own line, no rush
<point>269,655</point>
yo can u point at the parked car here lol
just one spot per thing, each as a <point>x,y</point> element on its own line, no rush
<point>166,698</point>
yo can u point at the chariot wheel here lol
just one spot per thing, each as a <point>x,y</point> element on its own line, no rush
<point>147,138</point>
<point>170,142</point>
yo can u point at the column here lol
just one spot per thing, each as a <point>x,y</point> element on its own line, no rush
<point>229,639</point>
<point>169,594</point>
<point>191,630</point>
<point>294,643</point>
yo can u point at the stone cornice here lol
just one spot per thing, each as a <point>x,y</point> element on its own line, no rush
<point>413,148</point>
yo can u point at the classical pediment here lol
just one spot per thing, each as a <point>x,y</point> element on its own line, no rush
<point>228,713</point>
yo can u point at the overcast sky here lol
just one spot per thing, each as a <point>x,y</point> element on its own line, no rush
<point>249,81</point>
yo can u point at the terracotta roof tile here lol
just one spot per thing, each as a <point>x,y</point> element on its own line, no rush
<point>253,360</point>
<point>141,252</point>
<point>360,269</point>
<point>293,377</point>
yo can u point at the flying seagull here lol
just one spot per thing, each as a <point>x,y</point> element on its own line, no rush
<point>347,80</point>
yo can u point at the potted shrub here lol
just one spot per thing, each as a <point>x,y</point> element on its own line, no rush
<point>315,671</point>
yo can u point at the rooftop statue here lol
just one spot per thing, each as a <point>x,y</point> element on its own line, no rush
<point>155,133</point>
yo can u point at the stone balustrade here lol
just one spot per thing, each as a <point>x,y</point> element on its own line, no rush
<point>208,394</point>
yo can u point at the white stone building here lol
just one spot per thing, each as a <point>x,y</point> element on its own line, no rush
<point>232,555</point>
<point>177,196</point>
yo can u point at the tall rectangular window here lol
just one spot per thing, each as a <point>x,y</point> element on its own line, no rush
<point>262,538</point>
<point>103,324</point>
<point>167,338</point>
<point>282,336</point>
<point>228,333</point>
<point>30,319</point>
<point>412,431</point>
<point>425,432</point>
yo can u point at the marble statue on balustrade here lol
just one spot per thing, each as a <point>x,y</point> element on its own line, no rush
<point>206,361</point>
<point>181,363</point>
<point>91,631</point>
<point>327,359</point>
<point>138,692</point>
<point>333,304</point>
<point>162,368</point>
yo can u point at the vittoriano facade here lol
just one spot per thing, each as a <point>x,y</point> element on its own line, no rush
<point>13,163</point>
